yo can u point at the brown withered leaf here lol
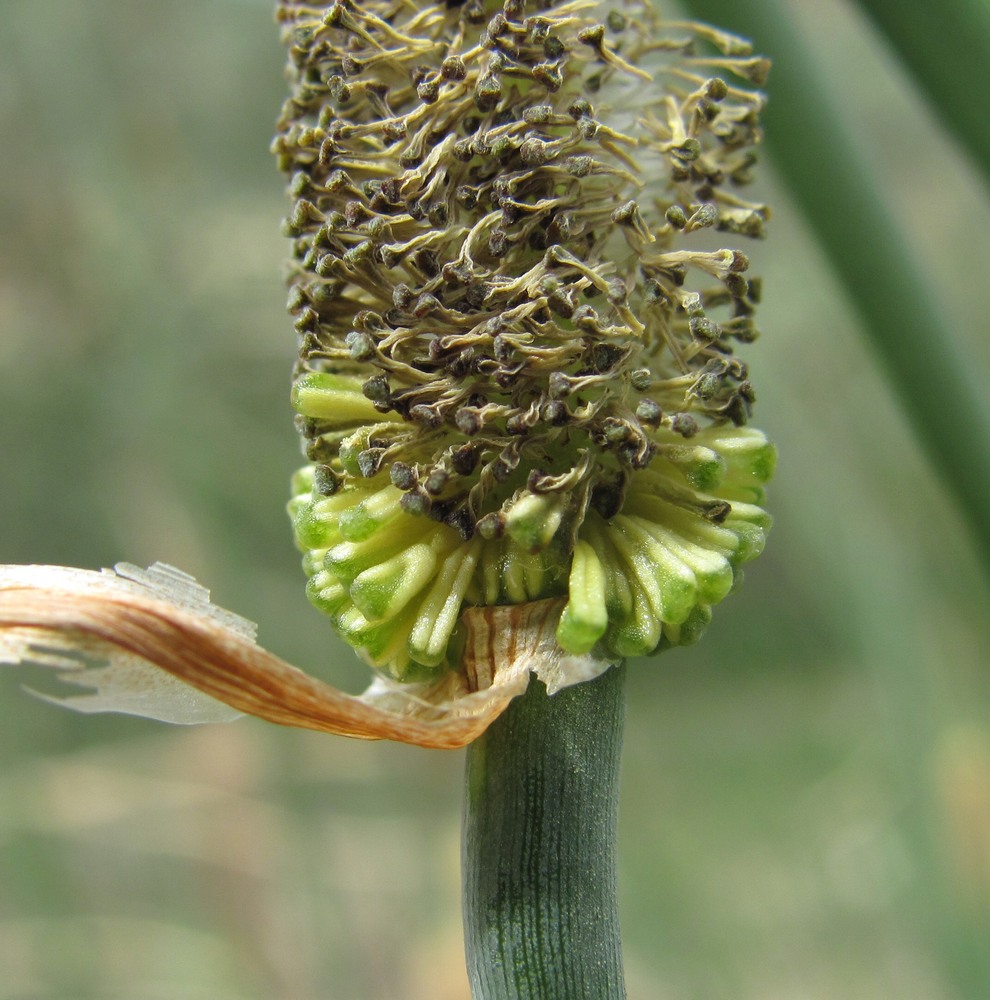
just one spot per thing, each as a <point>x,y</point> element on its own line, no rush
<point>150,642</point>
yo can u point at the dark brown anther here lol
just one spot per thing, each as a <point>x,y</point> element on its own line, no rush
<point>416,502</point>
<point>402,296</point>
<point>641,379</point>
<point>579,166</point>
<point>580,107</point>
<point>350,66</point>
<point>492,525</point>
<point>616,431</point>
<point>704,329</point>
<point>539,482</point>
<point>326,482</point>
<point>457,273</point>
<point>487,92</point>
<point>638,454</point>
<point>377,388</point>
<point>503,349</point>
<point>497,25</point>
<point>416,209</point>
<point>559,385</point>
<point>428,91</point>
<point>370,461</point>
<point>426,261</point>
<point>360,345</point>
<point>320,450</point>
<point>462,365</point>
<point>736,409</point>
<point>604,357</point>
<point>558,232</point>
<point>403,476</point>
<point>514,9</point>
<point>538,28</point>
<point>587,127</point>
<point>534,152</point>
<point>616,21</point>
<point>466,195</point>
<point>716,511</point>
<point>539,114</point>
<point>436,482</point>
<point>503,466</point>
<point>649,412</point>
<point>453,68</point>
<point>555,413</point>
<point>737,285</point>
<point>475,295</point>
<point>462,522</point>
<point>307,321</point>
<point>339,90</point>
<point>498,243</point>
<point>537,240</point>
<point>468,421</point>
<point>464,459</point>
<point>505,378</point>
<point>518,424</point>
<point>684,424</point>
<point>474,12</point>
<point>393,129</point>
<point>548,75</point>
<point>427,416</point>
<point>616,291</point>
<point>586,318</point>
<point>593,36</point>
<point>369,320</point>
<point>743,330</point>
<point>426,304</point>
<point>608,497</point>
<point>625,215</point>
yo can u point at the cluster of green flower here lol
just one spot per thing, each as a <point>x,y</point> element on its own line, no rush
<point>516,380</point>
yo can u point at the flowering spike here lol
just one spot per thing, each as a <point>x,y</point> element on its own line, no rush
<point>517,375</point>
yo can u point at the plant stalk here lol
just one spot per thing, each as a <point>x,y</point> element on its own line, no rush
<point>539,847</point>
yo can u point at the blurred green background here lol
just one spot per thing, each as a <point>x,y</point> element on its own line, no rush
<point>806,800</point>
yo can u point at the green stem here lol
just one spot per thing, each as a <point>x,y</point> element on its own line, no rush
<point>540,912</point>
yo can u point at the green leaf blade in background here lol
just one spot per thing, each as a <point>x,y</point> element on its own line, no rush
<point>946,45</point>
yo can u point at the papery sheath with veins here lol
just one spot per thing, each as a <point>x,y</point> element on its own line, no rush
<point>517,320</point>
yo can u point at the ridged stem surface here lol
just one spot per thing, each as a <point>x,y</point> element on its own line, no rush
<point>540,909</point>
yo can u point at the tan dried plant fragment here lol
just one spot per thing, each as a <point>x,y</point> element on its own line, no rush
<point>149,642</point>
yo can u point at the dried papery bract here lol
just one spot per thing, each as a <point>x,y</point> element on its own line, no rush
<point>127,633</point>
<point>517,376</point>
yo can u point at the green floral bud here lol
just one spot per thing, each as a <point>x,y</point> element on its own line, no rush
<point>518,376</point>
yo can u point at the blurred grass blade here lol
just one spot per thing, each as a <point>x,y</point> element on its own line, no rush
<point>947,47</point>
<point>844,199</point>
